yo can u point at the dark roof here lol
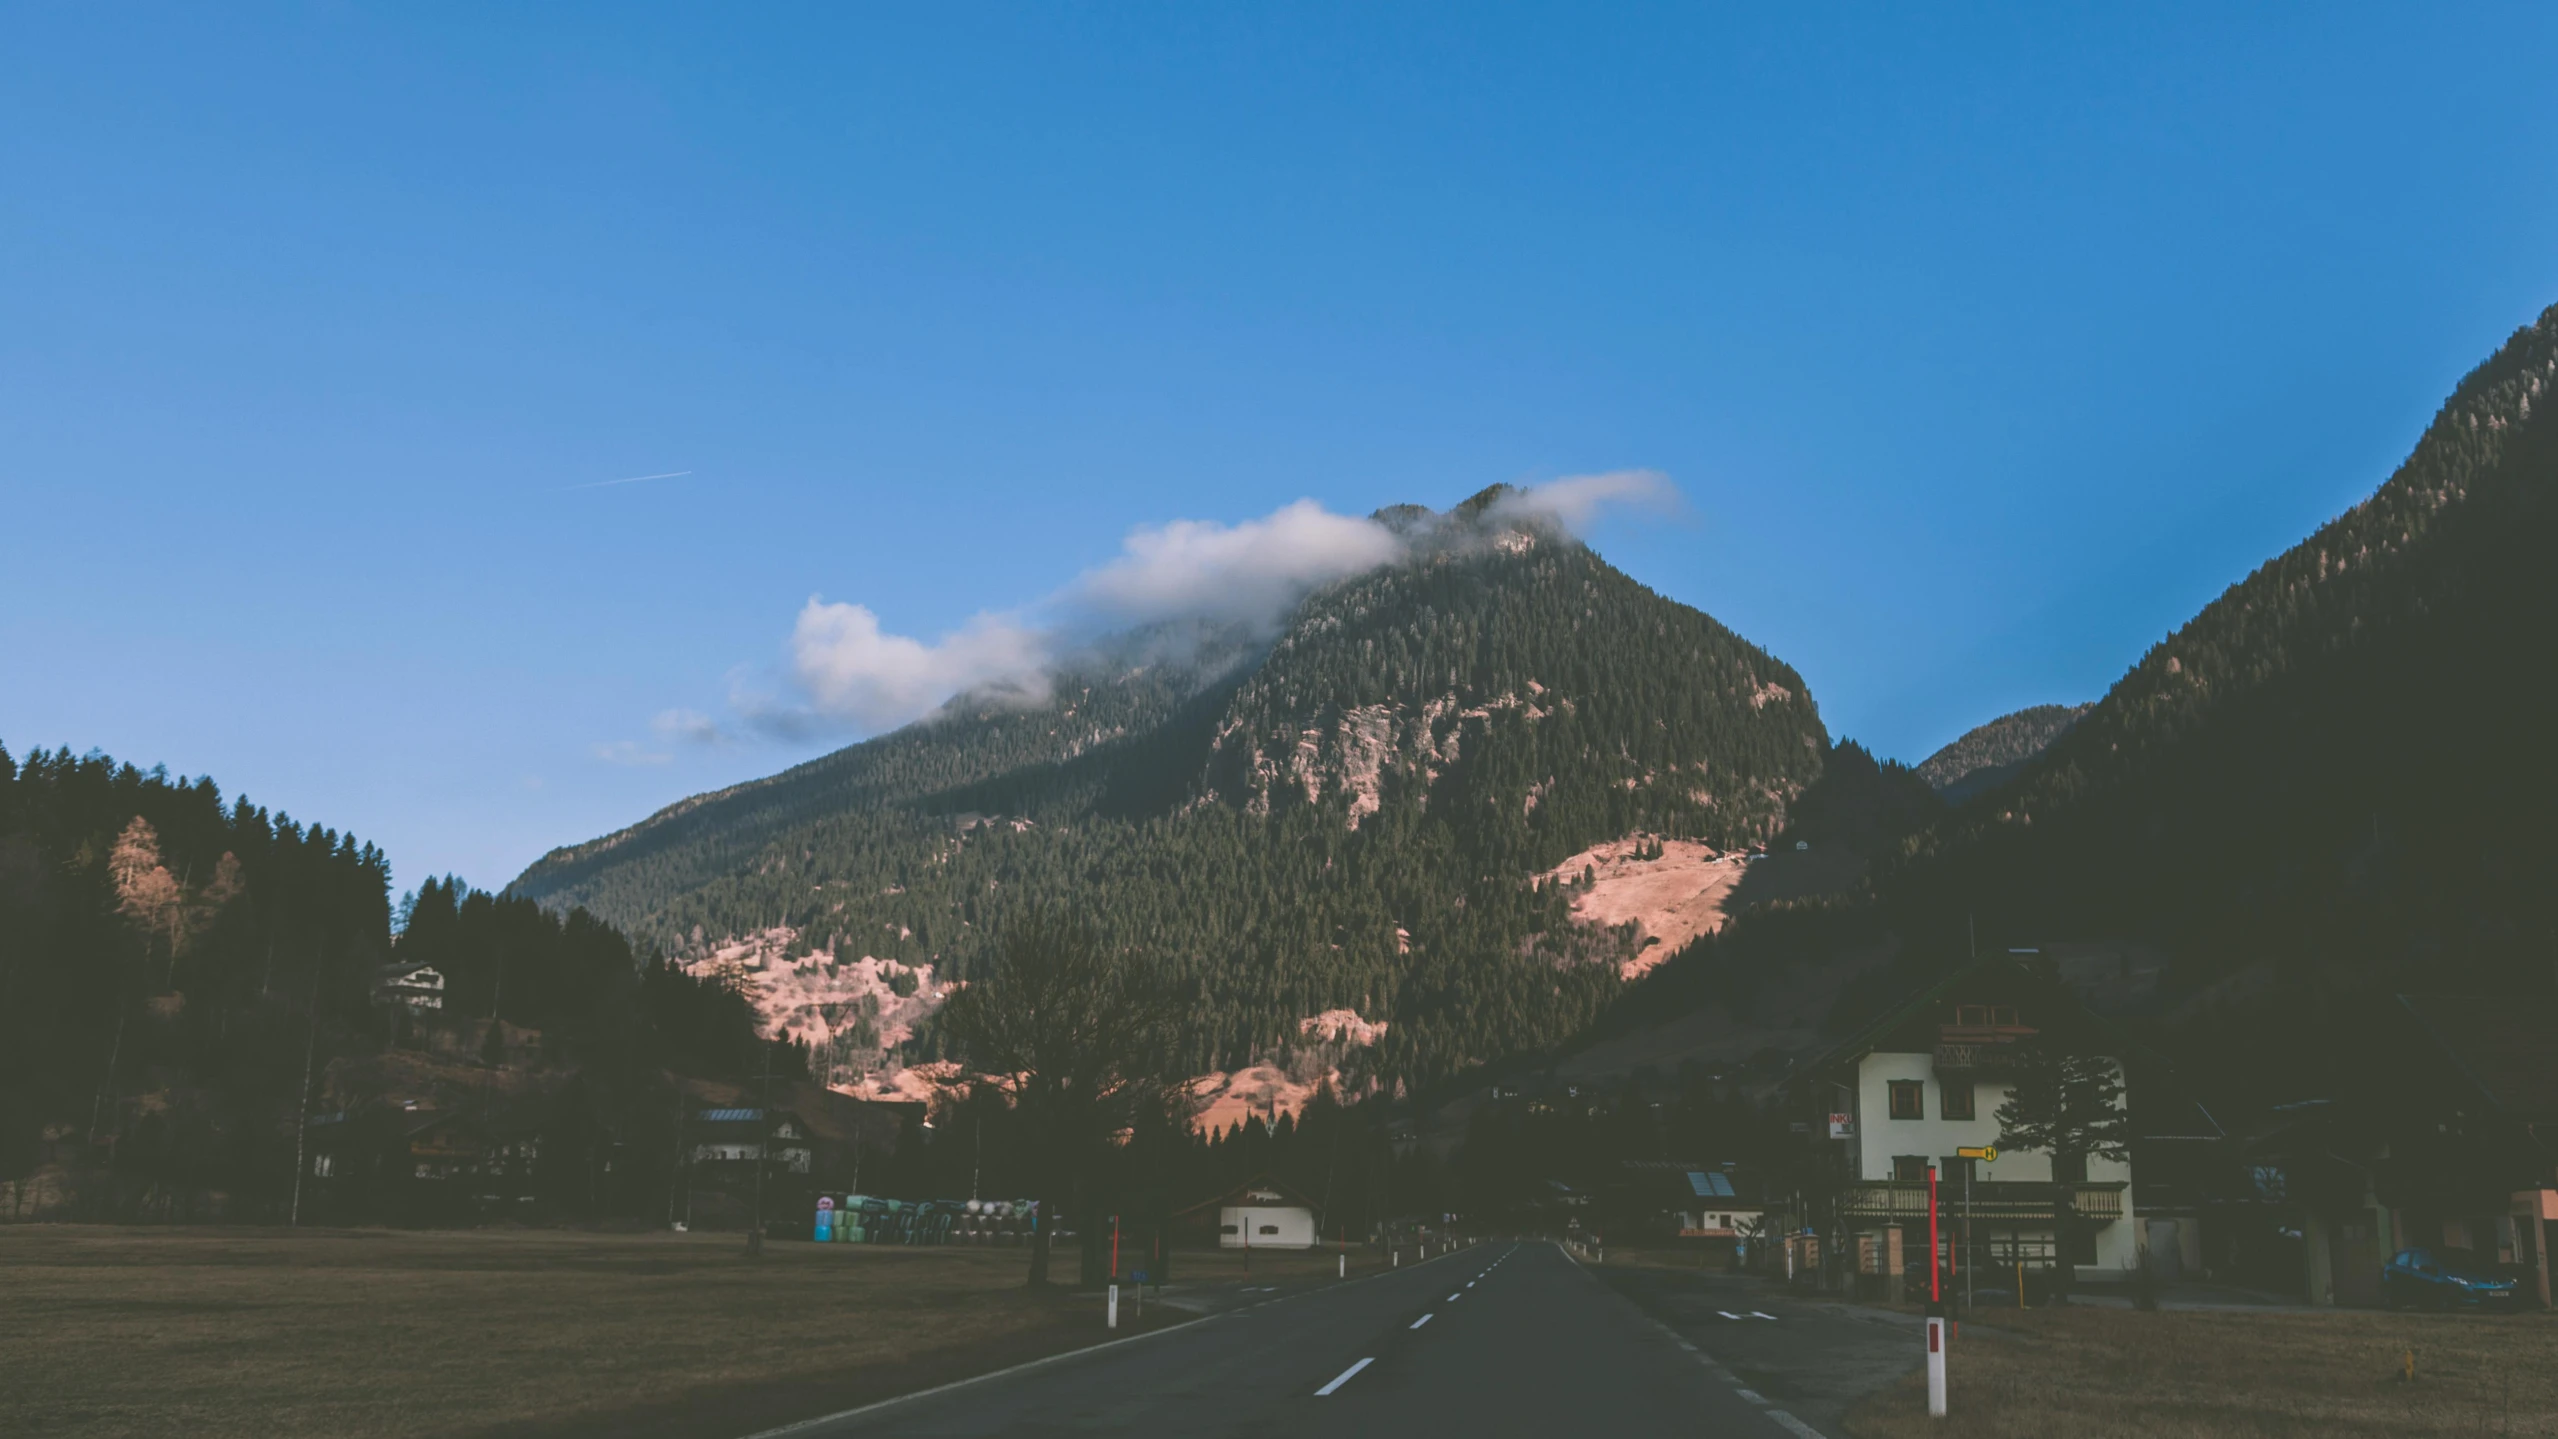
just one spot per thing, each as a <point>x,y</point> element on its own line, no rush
<point>1988,970</point>
<point>1690,1179</point>
<point>1236,1194</point>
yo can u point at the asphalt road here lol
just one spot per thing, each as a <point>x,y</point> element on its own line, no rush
<point>1812,1357</point>
<point>1498,1339</point>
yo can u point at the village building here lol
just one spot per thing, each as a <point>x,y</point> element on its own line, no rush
<point>418,988</point>
<point>1261,1214</point>
<point>1713,1205</point>
<point>1924,1083</point>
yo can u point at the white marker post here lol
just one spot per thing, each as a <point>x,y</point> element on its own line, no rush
<point>1114,1306</point>
<point>1345,1264</point>
<point>1935,1310</point>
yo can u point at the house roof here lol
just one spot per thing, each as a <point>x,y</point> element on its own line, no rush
<point>2006,971</point>
<point>1693,1179</point>
<point>1252,1191</point>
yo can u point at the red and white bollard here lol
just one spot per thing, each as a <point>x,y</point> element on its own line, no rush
<point>1935,1310</point>
<point>1936,1361</point>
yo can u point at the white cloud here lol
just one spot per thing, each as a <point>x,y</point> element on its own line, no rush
<point>1575,501</point>
<point>854,671</point>
<point>680,726</point>
<point>1251,573</point>
<point>849,671</point>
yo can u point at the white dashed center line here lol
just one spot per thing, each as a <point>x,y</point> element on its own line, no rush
<point>1344,1377</point>
<point>1417,1323</point>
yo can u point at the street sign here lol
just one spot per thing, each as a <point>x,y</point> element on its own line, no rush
<point>1842,1126</point>
<point>1987,1153</point>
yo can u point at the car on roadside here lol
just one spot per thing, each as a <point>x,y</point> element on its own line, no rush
<point>2448,1279</point>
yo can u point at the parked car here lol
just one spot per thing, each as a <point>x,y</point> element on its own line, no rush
<point>2447,1279</point>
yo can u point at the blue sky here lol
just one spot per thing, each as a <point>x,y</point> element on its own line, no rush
<point>1983,349</point>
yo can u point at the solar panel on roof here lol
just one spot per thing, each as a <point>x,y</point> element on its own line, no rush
<point>1709,1185</point>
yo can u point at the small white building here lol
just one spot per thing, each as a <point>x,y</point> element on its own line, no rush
<point>1261,1215</point>
<point>418,987</point>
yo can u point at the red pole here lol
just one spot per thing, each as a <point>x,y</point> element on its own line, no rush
<point>1935,1268</point>
<point>1114,1249</point>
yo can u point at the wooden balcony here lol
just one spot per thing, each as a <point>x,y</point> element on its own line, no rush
<point>1901,1201</point>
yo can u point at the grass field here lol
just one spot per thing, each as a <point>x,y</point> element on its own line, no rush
<point>2219,1375</point>
<point>212,1332</point>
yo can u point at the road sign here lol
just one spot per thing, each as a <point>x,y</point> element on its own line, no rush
<point>1842,1126</point>
<point>1987,1153</point>
<point>825,1202</point>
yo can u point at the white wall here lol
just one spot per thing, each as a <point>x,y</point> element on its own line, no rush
<point>1879,1137</point>
<point>1295,1226</point>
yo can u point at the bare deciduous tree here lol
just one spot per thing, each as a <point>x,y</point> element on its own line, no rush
<point>1078,1032</point>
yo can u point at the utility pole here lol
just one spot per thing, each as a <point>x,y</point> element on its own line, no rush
<point>763,1152</point>
<point>302,1099</point>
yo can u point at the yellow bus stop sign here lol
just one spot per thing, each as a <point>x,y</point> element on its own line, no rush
<point>1985,1153</point>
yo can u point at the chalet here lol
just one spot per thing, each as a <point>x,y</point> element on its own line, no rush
<point>738,1137</point>
<point>1925,1082</point>
<point>1263,1214</point>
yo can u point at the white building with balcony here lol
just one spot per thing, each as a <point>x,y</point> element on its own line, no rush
<point>1925,1083</point>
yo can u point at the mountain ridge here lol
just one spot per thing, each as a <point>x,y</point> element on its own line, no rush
<point>1350,817</point>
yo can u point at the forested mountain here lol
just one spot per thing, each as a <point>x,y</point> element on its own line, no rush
<point>1348,816</point>
<point>2339,775</point>
<point>178,974</point>
<point>1991,754</point>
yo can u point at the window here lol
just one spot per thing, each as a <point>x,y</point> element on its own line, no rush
<point>1954,1099</point>
<point>1231,1229</point>
<point>1972,1016</point>
<point>1270,1229</point>
<point>1909,1168</point>
<point>2071,1169</point>
<point>2003,1015</point>
<point>1906,1101</point>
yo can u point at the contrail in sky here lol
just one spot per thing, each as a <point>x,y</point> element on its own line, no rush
<point>633,480</point>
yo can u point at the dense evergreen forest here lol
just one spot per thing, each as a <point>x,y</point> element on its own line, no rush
<point>1348,815</point>
<point>2334,780</point>
<point>1991,754</point>
<point>178,973</point>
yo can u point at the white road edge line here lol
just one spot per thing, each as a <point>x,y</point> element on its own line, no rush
<point>818,1421</point>
<point>1755,1314</point>
<point>1346,1375</point>
<point>1794,1426</point>
<point>1417,1323</point>
<point>1752,1395</point>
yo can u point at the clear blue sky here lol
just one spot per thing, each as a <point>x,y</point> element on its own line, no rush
<point>1984,349</point>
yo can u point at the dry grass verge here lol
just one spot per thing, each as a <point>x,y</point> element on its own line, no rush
<point>275,1334</point>
<point>2218,1375</point>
